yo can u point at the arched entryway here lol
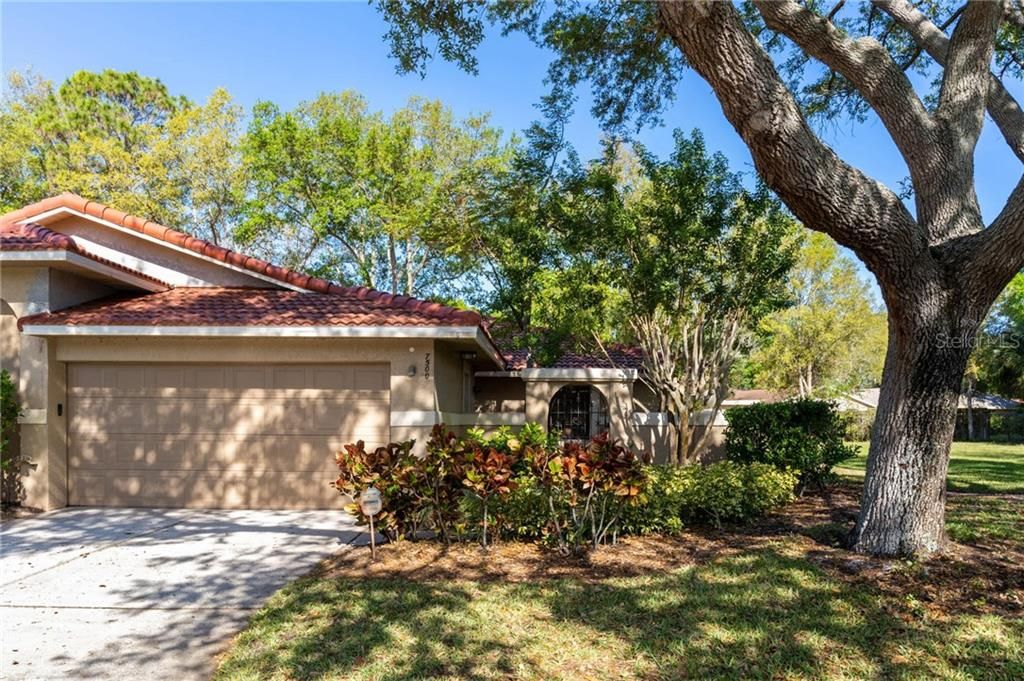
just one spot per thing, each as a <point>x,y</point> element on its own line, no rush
<point>578,412</point>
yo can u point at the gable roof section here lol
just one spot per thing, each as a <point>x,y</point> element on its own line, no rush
<point>73,202</point>
<point>31,238</point>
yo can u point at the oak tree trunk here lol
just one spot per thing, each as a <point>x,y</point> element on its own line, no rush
<point>903,503</point>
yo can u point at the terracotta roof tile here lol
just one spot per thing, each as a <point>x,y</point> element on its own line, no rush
<point>284,275</point>
<point>244,307</point>
<point>26,236</point>
<point>621,357</point>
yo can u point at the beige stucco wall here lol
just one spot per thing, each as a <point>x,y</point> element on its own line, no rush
<point>40,377</point>
<point>500,394</point>
<point>618,394</point>
<point>448,369</point>
<point>413,399</point>
<point>160,254</point>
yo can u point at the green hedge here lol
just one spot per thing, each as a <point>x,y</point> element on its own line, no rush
<point>725,492</point>
<point>805,436</point>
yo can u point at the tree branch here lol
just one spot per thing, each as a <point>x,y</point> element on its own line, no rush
<point>962,97</point>
<point>997,253</point>
<point>824,192</point>
<point>868,66</point>
<point>1003,108</point>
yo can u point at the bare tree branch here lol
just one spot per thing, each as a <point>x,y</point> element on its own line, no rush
<point>823,191</point>
<point>962,98</point>
<point>866,64</point>
<point>1003,108</point>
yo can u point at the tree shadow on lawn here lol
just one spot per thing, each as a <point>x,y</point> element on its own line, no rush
<point>986,475</point>
<point>763,614</point>
<point>383,628</point>
<point>769,615</point>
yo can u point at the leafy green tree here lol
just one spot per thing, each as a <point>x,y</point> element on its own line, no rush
<point>999,358</point>
<point>830,339</point>
<point>381,202</point>
<point>122,139</point>
<point>94,135</point>
<point>201,153</point>
<point>773,65</point>
<point>700,258</point>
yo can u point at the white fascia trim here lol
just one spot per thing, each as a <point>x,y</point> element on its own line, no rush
<point>462,332</point>
<point>651,418</point>
<point>497,374</point>
<point>85,263</point>
<point>63,210</point>
<point>168,274</point>
<point>589,374</point>
<point>487,345</point>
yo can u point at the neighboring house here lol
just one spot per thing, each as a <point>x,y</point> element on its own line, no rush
<point>979,407</point>
<point>157,369</point>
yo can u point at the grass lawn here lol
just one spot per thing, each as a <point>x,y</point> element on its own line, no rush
<point>758,603</point>
<point>973,467</point>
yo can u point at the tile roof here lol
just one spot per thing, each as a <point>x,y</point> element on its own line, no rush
<point>30,237</point>
<point>414,308</point>
<point>621,357</point>
<point>244,307</point>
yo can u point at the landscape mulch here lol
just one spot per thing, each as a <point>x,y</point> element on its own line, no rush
<point>981,578</point>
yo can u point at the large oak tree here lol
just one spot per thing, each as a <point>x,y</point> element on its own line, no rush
<point>773,63</point>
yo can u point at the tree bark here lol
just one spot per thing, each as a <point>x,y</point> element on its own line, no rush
<point>939,270</point>
<point>903,503</point>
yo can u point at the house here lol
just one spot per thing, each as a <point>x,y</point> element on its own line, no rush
<point>158,369</point>
<point>979,407</point>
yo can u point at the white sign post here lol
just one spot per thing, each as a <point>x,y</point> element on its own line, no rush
<point>371,504</point>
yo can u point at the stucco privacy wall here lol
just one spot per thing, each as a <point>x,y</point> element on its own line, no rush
<point>177,267</point>
<point>618,394</point>
<point>497,394</point>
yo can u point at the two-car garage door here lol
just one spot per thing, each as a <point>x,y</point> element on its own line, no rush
<point>218,436</point>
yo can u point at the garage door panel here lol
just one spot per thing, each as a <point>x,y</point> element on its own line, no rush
<point>255,436</point>
<point>193,489</point>
<point>257,454</point>
<point>323,412</point>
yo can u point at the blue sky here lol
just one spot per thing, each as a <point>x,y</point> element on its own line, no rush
<point>290,52</point>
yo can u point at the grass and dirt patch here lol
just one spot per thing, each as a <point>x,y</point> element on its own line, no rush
<point>778,599</point>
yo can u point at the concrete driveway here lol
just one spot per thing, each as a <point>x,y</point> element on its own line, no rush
<point>88,593</point>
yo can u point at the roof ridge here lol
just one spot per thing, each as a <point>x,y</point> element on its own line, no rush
<point>228,256</point>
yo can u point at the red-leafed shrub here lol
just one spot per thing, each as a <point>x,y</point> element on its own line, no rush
<point>487,473</point>
<point>393,471</point>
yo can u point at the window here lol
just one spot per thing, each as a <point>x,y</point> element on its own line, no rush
<point>578,412</point>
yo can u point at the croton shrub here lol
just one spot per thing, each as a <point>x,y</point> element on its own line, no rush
<point>527,485</point>
<point>511,484</point>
